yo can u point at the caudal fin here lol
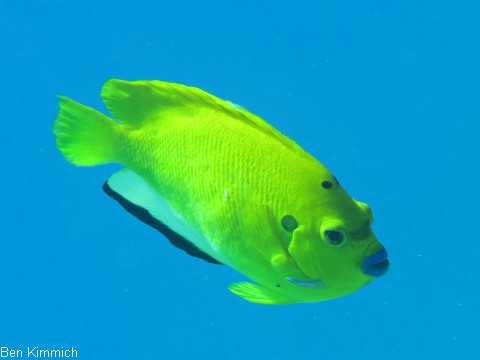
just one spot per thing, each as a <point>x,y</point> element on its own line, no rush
<point>84,136</point>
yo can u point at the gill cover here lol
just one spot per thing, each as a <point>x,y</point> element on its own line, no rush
<point>303,248</point>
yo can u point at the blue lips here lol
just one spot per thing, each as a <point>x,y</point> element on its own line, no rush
<point>376,264</point>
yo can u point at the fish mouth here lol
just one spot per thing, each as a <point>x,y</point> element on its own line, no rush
<point>377,264</point>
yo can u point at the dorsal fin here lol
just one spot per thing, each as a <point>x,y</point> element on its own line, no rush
<point>136,102</point>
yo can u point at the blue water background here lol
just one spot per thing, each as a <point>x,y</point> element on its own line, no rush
<point>385,94</point>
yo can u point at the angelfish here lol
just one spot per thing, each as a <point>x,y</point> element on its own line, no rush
<point>225,186</point>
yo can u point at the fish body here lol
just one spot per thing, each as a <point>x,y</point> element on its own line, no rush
<point>225,186</point>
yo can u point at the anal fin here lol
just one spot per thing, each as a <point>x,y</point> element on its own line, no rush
<point>140,200</point>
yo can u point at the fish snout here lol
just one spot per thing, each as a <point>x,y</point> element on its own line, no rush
<point>377,264</point>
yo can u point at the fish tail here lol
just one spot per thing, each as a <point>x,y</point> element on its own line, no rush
<point>83,135</point>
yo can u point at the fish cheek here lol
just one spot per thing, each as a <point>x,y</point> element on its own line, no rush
<point>304,249</point>
<point>284,264</point>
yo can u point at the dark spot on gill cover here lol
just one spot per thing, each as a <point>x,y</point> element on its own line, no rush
<point>289,223</point>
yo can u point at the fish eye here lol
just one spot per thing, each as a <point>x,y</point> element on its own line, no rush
<point>289,223</point>
<point>333,235</point>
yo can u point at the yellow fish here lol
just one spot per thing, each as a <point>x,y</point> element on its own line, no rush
<point>224,185</point>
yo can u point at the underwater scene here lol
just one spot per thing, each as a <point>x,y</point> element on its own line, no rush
<point>240,180</point>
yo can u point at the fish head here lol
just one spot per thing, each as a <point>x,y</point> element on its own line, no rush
<point>334,248</point>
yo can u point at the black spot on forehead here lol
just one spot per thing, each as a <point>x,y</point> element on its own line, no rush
<point>326,184</point>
